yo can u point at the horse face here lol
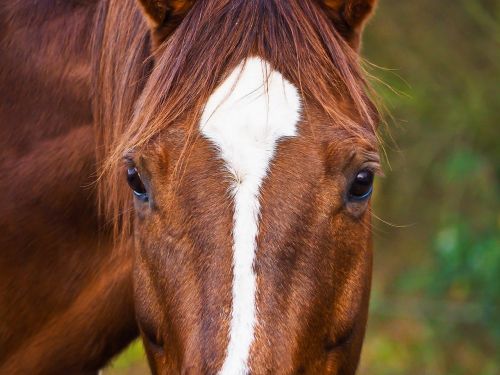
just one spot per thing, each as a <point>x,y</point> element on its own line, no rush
<point>252,231</point>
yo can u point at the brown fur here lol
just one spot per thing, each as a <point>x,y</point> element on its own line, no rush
<point>164,16</point>
<point>66,299</point>
<point>65,296</point>
<point>349,17</point>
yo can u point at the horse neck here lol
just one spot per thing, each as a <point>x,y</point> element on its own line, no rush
<point>50,251</point>
<point>44,72</point>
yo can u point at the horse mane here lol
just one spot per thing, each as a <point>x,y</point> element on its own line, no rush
<point>120,55</point>
<point>295,37</point>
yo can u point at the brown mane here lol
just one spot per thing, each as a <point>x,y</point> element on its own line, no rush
<point>295,37</point>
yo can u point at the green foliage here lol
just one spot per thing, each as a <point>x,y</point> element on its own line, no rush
<point>439,267</point>
<point>131,361</point>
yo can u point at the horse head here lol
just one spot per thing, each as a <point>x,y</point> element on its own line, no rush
<point>251,156</point>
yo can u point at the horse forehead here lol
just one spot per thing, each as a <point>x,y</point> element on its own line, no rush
<point>250,111</point>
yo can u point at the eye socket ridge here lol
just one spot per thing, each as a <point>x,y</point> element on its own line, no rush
<point>362,186</point>
<point>135,182</point>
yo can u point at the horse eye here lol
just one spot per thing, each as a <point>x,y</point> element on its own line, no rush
<point>135,183</point>
<point>362,186</point>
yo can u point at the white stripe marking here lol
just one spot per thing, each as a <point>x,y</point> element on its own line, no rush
<point>245,117</point>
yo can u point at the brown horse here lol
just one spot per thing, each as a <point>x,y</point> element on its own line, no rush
<point>249,145</point>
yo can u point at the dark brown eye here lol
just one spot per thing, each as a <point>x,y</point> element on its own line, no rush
<point>362,186</point>
<point>136,184</point>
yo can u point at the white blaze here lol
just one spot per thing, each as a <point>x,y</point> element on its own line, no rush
<point>245,117</point>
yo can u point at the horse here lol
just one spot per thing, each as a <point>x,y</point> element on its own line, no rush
<point>195,172</point>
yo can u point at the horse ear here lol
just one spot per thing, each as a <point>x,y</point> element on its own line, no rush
<point>349,17</point>
<point>163,16</point>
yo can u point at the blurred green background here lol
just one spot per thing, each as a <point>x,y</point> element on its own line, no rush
<point>435,305</point>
